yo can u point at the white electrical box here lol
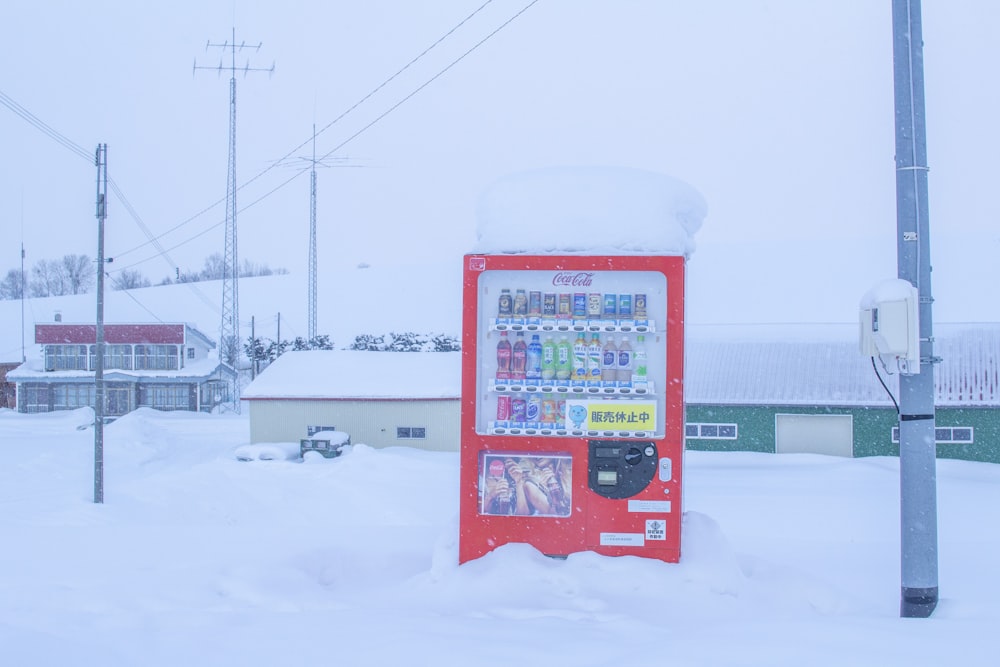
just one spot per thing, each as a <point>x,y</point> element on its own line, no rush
<point>889,324</point>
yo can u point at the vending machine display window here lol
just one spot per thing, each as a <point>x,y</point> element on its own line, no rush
<point>574,353</point>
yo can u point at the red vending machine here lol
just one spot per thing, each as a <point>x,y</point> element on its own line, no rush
<point>572,404</point>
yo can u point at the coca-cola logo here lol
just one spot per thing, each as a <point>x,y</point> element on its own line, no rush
<point>570,279</point>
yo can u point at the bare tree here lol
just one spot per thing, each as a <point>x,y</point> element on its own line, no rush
<point>215,267</point>
<point>79,273</point>
<point>131,279</point>
<point>46,279</point>
<point>12,286</point>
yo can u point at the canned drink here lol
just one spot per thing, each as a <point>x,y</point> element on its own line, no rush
<point>594,306</point>
<point>610,306</point>
<point>639,306</point>
<point>625,306</point>
<point>549,304</point>
<point>518,409</point>
<point>503,408</point>
<point>565,306</point>
<point>533,409</point>
<point>579,306</point>
<point>535,303</point>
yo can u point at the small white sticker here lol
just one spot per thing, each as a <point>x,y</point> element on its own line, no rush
<point>622,540</point>
<point>656,529</point>
<point>658,506</point>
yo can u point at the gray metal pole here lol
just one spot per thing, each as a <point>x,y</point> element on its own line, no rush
<point>101,160</point>
<point>917,449</point>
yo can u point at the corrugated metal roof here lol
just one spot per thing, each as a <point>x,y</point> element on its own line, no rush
<point>790,365</point>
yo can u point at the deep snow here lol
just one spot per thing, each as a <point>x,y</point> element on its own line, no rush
<point>197,558</point>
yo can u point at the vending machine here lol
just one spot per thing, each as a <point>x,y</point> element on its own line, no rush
<point>572,425</point>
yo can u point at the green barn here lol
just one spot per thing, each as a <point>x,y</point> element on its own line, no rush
<point>807,388</point>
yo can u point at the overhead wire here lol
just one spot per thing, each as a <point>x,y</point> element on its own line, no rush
<point>340,117</point>
<point>154,240</point>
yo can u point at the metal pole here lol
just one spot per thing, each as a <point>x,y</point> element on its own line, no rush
<point>101,160</point>
<point>917,449</point>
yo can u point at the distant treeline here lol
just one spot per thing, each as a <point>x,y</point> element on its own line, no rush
<point>76,274</point>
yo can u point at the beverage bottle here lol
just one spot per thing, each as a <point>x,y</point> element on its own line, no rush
<point>594,357</point>
<point>505,304</point>
<point>624,363</point>
<point>503,357</point>
<point>564,359</point>
<point>548,410</point>
<point>519,358</point>
<point>609,363</point>
<point>640,371</point>
<point>533,368</point>
<point>520,307</point>
<point>548,359</point>
<point>580,359</point>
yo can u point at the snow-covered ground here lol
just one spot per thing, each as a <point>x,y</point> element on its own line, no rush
<point>196,558</point>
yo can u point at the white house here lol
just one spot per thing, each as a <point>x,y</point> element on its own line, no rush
<point>380,398</point>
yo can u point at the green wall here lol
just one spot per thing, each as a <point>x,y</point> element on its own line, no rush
<point>872,429</point>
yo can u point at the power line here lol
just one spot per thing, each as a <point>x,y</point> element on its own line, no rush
<point>331,124</point>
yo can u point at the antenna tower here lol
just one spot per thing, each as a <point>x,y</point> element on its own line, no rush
<point>229,331</point>
<point>312,242</point>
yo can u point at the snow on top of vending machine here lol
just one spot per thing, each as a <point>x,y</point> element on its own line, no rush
<point>589,210</point>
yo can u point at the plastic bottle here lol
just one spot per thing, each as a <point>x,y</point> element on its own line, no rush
<point>549,407</point>
<point>624,363</point>
<point>519,358</point>
<point>533,368</point>
<point>505,304</point>
<point>549,359</point>
<point>640,371</point>
<point>503,357</point>
<point>564,359</point>
<point>580,359</point>
<point>594,358</point>
<point>609,363</point>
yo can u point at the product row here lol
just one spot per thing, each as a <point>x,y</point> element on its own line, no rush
<point>562,362</point>
<point>557,415</point>
<point>533,307</point>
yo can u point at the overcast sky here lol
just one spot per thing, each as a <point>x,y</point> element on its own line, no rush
<point>778,111</point>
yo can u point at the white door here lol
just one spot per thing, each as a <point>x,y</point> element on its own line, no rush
<point>814,434</point>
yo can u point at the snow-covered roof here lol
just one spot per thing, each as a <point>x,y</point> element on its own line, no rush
<point>589,210</point>
<point>346,374</point>
<point>724,365</point>
<point>34,370</point>
<point>822,365</point>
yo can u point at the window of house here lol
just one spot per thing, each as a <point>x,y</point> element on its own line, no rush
<point>34,398</point>
<point>156,357</point>
<point>710,431</point>
<point>115,356</point>
<point>411,432</point>
<point>70,396</point>
<point>165,396</point>
<point>190,353</point>
<point>66,357</point>
<point>945,435</point>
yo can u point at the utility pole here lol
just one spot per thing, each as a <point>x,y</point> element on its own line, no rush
<point>101,161</point>
<point>917,448</point>
<point>229,330</point>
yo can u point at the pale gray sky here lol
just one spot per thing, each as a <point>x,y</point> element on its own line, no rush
<point>778,111</point>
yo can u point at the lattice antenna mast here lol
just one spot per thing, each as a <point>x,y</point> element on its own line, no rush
<point>229,330</point>
<point>313,270</point>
